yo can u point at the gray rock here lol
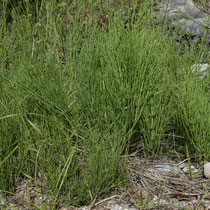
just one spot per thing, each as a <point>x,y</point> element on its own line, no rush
<point>164,168</point>
<point>201,69</point>
<point>181,8</point>
<point>168,169</point>
<point>185,15</point>
<point>195,28</point>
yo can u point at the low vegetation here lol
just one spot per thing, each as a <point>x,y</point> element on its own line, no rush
<point>82,84</point>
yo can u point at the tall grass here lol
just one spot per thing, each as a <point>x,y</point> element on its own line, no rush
<point>77,94</point>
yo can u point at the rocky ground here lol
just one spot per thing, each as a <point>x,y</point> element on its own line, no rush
<point>185,16</point>
<point>153,184</point>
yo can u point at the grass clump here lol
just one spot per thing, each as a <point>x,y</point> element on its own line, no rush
<point>76,97</point>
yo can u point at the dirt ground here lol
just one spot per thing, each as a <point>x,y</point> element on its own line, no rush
<point>150,186</point>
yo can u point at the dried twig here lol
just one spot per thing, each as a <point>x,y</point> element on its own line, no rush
<point>106,199</point>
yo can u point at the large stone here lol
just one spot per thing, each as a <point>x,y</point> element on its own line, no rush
<point>184,14</point>
<point>192,27</point>
<point>181,8</point>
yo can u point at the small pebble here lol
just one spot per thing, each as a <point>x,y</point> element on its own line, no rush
<point>116,207</point>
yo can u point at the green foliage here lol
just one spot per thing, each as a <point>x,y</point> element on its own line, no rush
<point>76,94</point>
